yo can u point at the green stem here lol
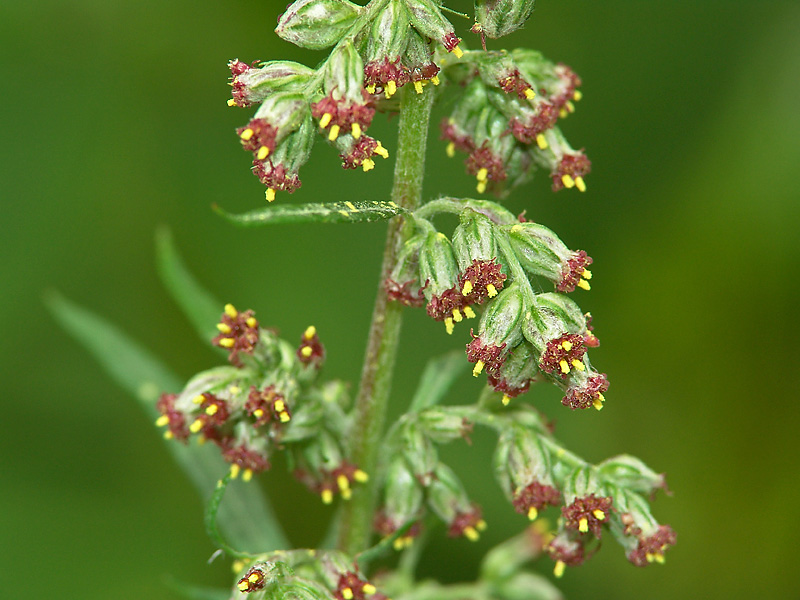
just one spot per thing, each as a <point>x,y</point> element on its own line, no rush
<point>384,335</point>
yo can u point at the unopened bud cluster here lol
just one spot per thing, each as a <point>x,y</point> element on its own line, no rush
<point>484,272</point>
<point>269,398</point>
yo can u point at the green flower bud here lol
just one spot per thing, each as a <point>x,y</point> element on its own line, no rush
<point>634,526</point>
<point>279,171</point>
<point>631,473</point>
<point>516,373</point>
<point>403,501</point>
<point>437,264</point>
<point>427,18</point>
<point>317,24</point>
<point>254,84</point>
<point>403,284</point>
<point>449,501</point>
<point>387,42</point>
<point>501,17</point>
<point>474,239</point>
<point>419,452</point>
<point>443,425</point>
<point>500,330</point>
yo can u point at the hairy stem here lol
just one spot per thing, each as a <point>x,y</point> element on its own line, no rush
<point>376,376</point>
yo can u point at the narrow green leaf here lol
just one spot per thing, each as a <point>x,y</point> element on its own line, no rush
<point>246,518</point>
<point>195,592</point>
<point>329,212</point>
<point>438,377</point>
<point>200,307</point>
<point>212,508</point>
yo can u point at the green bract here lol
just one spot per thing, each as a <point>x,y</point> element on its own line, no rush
<point>317,24</point>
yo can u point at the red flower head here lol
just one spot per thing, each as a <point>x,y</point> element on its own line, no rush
<point>174,419</point>
<point>311,350</point>
<point>563,354</point>
<point>266,406</point>
<point>586,392</point>
<point>468,524</point>
<point>571,171</point>
<point>238,333</point>
<point>587,514</point>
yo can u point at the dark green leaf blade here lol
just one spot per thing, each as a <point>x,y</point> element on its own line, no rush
<point>329,212</point>
<point>199,306</point>
<point>247,518</point>
<point>438,377</point>
<point>194,592</point>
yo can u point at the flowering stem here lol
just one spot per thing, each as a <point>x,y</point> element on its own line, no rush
<point>376,376</point>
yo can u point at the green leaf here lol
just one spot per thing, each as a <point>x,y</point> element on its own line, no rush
<point>200,307</point>
<point>330,212</point>
<point>437,379</point>
<point>195,592</point>
<point>212,508</point>
<point>247,517</point>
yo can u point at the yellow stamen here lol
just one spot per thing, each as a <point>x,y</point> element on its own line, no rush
<point>457,52</point>
<point>360,476</point>
<point>481,187</point>
<point>566,345</point>
<point>258,413</point>
<point>334,133</point>
<point>343,482</point>
<point>369,589</point>
<point>470,314</point>
<point>418,86</point>
<point>243,585</point>
<point>347,593</point>
<point>598,402</point>
<point>307,351</point>
<point>325,120</point>
<point>251,322</point>
<point>263,153</point>
<point>247,134</point>
<point>212,409</point>
<point>253,578</point>
<point>347,494</point>
<point>564,366</point>
<point>483,174</point>
<point>506,399</point>
<point>481,525</point>
<point>578,365</point>
<point>390,89</point>
<point>231,102</point>
<point>310,332</point>
<point>567,180</point>
<point>476,370</point>
<point>659,558</point>
<point>355,129</point>
<point>467,289</point>
<point>227,342</point>
<point>583,525</point>
<point>270,194</point>
<point>279,405</point>
<point>162,420</point>
<point>247,475</point>
<point>285,417</point>
<point>398,544</point>
<point>570,107</point>
<point>530,94</point>
<point>448,326</point>
<point>168,435</point>
<point>381,151</point>
<point>234,389</point>
<point>558,571</point>
<point>457,317</point>
<point>371,88</point>
<point>435,80</point>
<point>235,471</point>
<point>491,290</point>
<point>451,149</point>
<point>471,534</point>
<point>587,274</point>
<point>237,565</point>
<point>327,496</point>
<point>599,514</point>
<point>196,425</point>
<point>199,399</point>
<point>577,95</point>
<point>541,141</point>
<point>584,285</point>
<point>516,228</point>
<point>580,184</point>
<point>368,164</point>
<point>231,311</point>
<point>533,513</point>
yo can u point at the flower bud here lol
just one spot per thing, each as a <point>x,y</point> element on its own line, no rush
<point>447,498</point>
<point>501,17</point>
<point>253,84</point>
<point>567,167</point>
<point>383,71</point>
<point>439,270</point>
<point>474,239</point>
<point>500,330</point>
<point>643,538</point>
<point>238,333</point>
<point>418,63</point>
<point>403,284</point>
<point>279,172</point>
<point>420,453</point>
<point>587,508</point>
<point>428,20</point>
<point>403,501</point>
<point>516,373</point>
<point>443,425</point>
<point>317,24</point>
<point>632,474</point>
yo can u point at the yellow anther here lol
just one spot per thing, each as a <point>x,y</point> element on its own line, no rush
<point>231,311</point>
<point>199,399</point>
<point>587,274</point>
<point>451,149</point>
<point>584,285</point>
<point>247,475</point>
<point>270,194</point>
<point>227,342</point>
<point>381,151</point>
<point>566,345</point>
<point>506,399</point>
<point>334,132</point>
<point>307,351</point>
<point>481,187</point>
<point>285,417</point>
<point>196,425</point>
<point>457,52</point>
<point>659,558</point>
<point>599,514</point>
<point>598,402</point>
<point>258,413</point>
<point>327,496</point>
<point>583,525</point>
<point>355,130</point>
<point>231,102</point>
<point>343,482</point>
<point>201,439</point>
<point>650,557</point>
<point>390,89</point>
<point>279,405</point>
<point>558,571</point>
<point>212,409</point>
<point>533,513</point>
<point>578,364</point>
<point>418,86</point>
<point>234,471</point>
<point>310,332</point>
<point>541,141</point>
<point>162,420</point>
<point>483,174</point>
<point>247,134</point>
<point>457,317</point>
<point>567,180</point>
<point>577,95</point>
<point>347,494</point>
<point>262,153</point>
<point>360,476</point>
<point>570,107</point>
<point>398,544</point>
<point>243,585</point>
<point>371,88</point>
<point>448,326</point>
<point>237,565</point>
<point>347,593</point>
<point>467,289</point>
<point>368,164</point>
<point>369,589</point>
<point>530,94</point>
<point>251,322</point>
<point>481,525</point>
<point>491,290</point>
<point>435,80</point>
<point>325,120</point>
<point>254,578</point>
<point>168,435</point>
<point>580,184</point>
<point>234,389</point>
<point>564,366</point>
<point>471,534</point>
<point>468,312</point>
<point>476,370</point>
<point>563,114</point>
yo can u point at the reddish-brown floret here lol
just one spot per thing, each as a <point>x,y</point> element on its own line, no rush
<point>572,270</point>
<point>407,293</point>
<point>441,307</point>
<point>514,83</point>
<point>378,73</point>
<point>588,393</point>
<point>545,118</point>
<point>267,405</point>
<point>351,587</point>
<point>490,355</point>
<point>245,458</point>
<point>587,514</point>
<point>176,420</point>
<point>252,581</point>
<point>502,385</point>
<point>484,158</point>
<point>567,550</point>
<point>343,112</point>
<point>362,150</point>
<point>571,166</point>
<point>563,354</point>
<point>535,495</point>
<point>467,523</point>
<point>257,134</point>
<point>311,351</point>
<point>450,133</point>
<point>238,333</point>
<point>276,177</point>
<point>652,547</point>
<point>450,41</point>
<point>569,82</point>
<point>485,279</point>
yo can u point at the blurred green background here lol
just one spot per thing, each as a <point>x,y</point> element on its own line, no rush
<point>114,122</point>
